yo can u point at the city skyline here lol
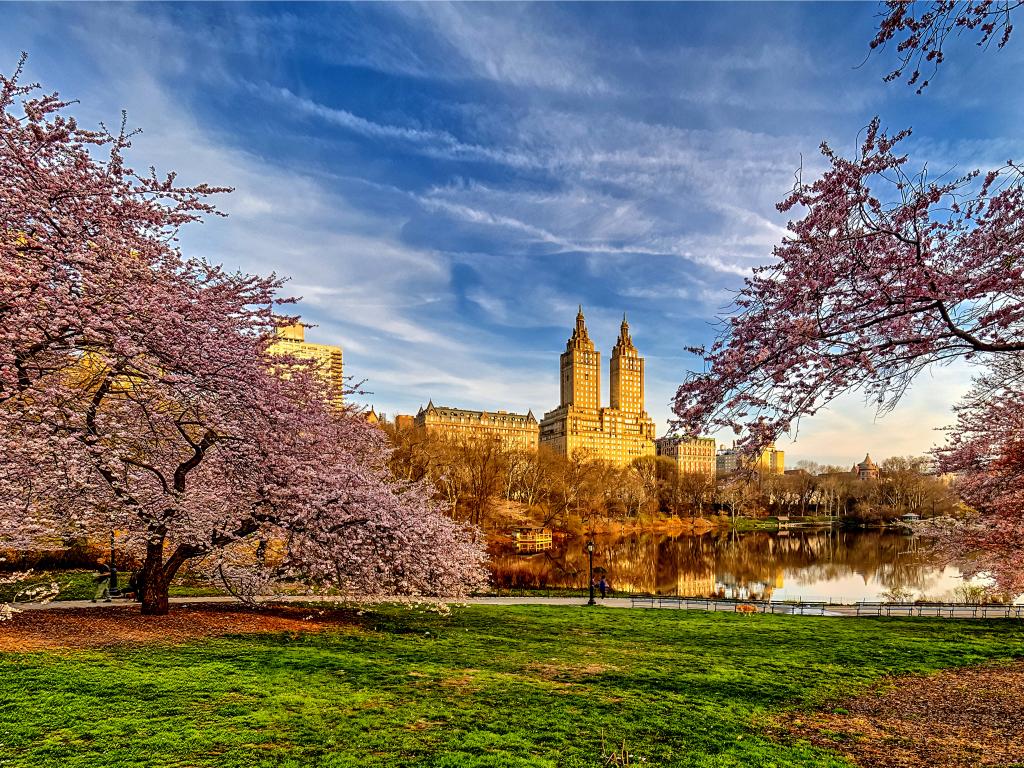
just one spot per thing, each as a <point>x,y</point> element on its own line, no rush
<point>445,186</point>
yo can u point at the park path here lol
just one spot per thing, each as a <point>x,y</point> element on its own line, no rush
<point>568,602</point>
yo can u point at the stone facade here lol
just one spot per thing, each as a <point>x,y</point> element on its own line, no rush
<point>327,357</point>
<point>770,462</point>
<point>694,456</point>
<point>867,469</point>
<point>515,431</point>
<point>579,424</point>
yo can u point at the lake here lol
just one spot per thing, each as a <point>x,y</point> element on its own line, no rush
<point>810,564</point>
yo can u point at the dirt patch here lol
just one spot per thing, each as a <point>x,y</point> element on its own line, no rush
<point>465,682</point>
<point>98,627</point>
<point>963,718</point>
<point>562,671</point>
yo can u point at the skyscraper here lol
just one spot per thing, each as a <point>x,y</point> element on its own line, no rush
<point>579,424</point>
<point>326,358</point>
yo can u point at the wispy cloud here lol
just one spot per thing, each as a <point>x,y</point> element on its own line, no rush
<point>433,143</point>
<point>445,183</point>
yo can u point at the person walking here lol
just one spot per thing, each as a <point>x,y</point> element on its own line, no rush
<point>102,582</point>
<point>603,586</point>
<point>133,590</point>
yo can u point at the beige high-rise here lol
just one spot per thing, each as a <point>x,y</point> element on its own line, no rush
<point>770,462</point>
<point>327,358</point>
<point>692,456</point>
<point>627,374</point>
<point>579,425</point>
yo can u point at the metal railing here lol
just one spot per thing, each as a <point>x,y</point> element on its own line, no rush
<point>946,610</point>
<point>800,607</point>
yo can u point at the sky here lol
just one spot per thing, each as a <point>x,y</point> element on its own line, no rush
<point>444,184</point>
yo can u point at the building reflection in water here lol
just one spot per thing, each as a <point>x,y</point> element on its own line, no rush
<point>532,540</point>
<point>819,563</point>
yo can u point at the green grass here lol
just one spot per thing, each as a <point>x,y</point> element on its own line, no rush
<point>755,524</point>
<point>487,686</point>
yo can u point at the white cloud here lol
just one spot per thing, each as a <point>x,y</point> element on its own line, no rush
<point>508,45</point>
<point>439,144</point>
<point>568,168</point>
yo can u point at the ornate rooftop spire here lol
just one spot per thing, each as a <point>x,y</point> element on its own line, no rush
<point>579,333</point>
<point>624,337</point>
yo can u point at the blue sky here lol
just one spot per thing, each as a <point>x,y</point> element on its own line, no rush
<point>445,183</point>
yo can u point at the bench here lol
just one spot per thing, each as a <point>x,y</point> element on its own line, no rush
<point>992,610</point>
<point>869,608</point>
<point>813,607</point>
<point>645,601</point>
<point>900,609</point>
<point>934,609</point>
<point>723,604</point>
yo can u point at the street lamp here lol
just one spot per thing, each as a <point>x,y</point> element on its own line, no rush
<point>590,553</point>
<point>112,584</point>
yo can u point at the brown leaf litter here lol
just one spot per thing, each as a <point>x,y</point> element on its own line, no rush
<point>960,718</point>
<point>73,628</point>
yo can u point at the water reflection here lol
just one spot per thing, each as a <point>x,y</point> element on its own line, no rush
<point>823,564</point>
<point>532,540</point>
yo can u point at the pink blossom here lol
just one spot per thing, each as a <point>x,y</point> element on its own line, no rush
<point>137,395</point>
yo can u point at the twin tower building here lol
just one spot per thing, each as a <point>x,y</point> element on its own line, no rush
<point>618,434</point>
<point>579,425</point>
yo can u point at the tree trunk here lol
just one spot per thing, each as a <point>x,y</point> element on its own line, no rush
<point>157,577</point>
<point>155,599</point>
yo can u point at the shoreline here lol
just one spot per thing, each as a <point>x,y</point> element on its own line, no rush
<point>700,526</point>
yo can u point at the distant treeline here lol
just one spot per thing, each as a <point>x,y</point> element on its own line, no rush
<point>496,488</point>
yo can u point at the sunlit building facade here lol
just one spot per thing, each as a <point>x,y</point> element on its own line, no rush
<point>515,431</point>
<point>326,357</point>
<point>770,462</point>
<point>692,456</point>
<point>579,425</point>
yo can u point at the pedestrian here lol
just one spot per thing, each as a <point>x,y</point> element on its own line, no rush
<point>603,586</point>
<point>134,589</point>
<point>140,585</point>
<point>102,582</point>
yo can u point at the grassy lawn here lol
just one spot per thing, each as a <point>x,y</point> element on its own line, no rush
<point>486,686</point>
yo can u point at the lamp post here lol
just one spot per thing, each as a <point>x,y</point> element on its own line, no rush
<point>112,584</point>
<point>590,553</point>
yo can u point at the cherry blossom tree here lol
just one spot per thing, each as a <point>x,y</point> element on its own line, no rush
<point>137,394</point>
<point>887,273</point>
<point>920,30</point>
<point>985,450</point>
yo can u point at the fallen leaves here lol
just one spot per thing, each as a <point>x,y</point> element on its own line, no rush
<point>961,718</point>
<point>124,625</point>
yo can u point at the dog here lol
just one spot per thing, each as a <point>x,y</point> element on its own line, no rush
<point>744,608</point>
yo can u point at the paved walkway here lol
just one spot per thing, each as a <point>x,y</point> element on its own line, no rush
<point>961,612</point>
<point>612,602</point>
